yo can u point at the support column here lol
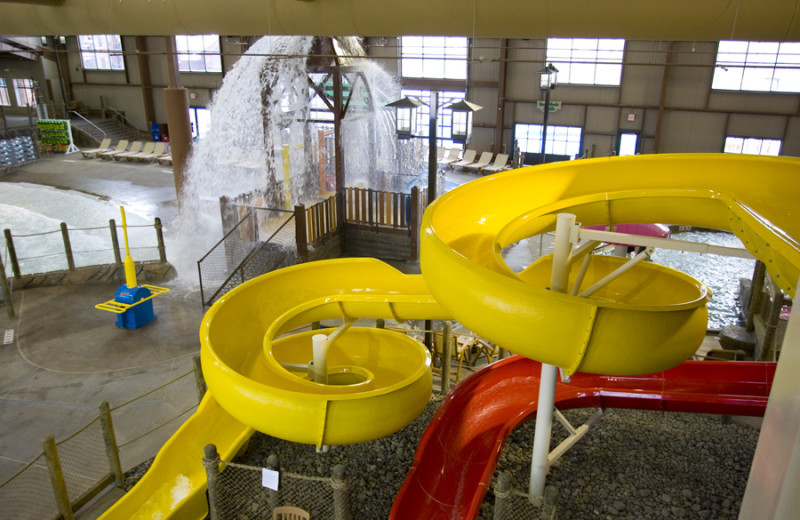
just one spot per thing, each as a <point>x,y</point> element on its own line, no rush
<point>547,382</point>
<point>144,75</point>
<point>501,97</point>
<point>176,99</point>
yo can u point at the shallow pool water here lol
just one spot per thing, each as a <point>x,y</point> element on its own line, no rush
<point>720,273</point>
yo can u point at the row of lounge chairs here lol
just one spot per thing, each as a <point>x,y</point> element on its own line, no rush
<point>138,150</point>
<point>486,163</point>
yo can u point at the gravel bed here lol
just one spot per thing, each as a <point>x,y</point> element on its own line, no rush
<point>630,465</point>
<point>635,464</point>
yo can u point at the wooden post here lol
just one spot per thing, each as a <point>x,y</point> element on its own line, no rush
<point>756,287</point>
<point>769,349</point>
<point>503,490</point>
<point>12,253</point>
<point>413,225</point>
<point>341,494</point>
<point>112,225</point>
<point>67,246</point>
<point>300,232</point>
<point>211,462</point>
<point>273,463</point>
<point>112,450</point>
<point>57,476</point>
<point>6,288</point>
<point>162,250</point>
<point>447,355</point>
<point>200,382</point>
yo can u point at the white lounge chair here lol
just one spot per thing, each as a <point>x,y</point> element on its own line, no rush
<point>91,153</point>
<point>155,153</point>
<point>165,159</point>
<point>147,149</point>
<point>136,147</point>
<point>485,160</point>
<point>500,163</point>
<point>122,145</point>
<point>450,157</point>
<point>469,158</point>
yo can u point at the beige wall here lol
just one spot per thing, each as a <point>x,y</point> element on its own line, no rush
<point>692,118</point>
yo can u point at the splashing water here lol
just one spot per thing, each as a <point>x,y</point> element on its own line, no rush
<point>262,143</point>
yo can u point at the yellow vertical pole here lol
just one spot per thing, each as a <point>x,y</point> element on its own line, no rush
<point>130,267</point>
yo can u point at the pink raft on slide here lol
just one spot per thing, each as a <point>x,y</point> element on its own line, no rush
<point>647,230</point>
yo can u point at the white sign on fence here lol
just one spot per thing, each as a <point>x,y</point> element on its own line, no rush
<point>270,478</point>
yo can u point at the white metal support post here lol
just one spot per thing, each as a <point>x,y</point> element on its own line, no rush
<point>547,384</point>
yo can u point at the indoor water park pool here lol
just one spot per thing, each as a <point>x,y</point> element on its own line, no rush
<point>720,273</point>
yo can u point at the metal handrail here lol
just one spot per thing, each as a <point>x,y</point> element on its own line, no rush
<point>124,119</point>
<point>88,121</point>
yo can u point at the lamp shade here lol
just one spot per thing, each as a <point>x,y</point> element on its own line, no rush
<point>548,77</point>
<point>462,119</point>
<point>406,115</point>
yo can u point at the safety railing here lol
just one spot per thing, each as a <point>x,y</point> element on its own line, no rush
<point>87,121</point>
<point>262,241</point>
<point>239,491</point>
<point>69,473</point>
<point>124,120</point>
<point>70,248</point>
<point>378,208</point>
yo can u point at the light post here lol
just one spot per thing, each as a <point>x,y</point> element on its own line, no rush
<point>547,82</point>
<point>405,116</point>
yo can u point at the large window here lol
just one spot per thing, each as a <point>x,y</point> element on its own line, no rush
<point>4,100</point>
<point>435,57</point>
<point>752,145</point>
<point>101,52</point>
<point>444,119</point>
<point>757,66</point>
<point>561,140</point>
<point>198,53</point>
<point>587,61</point>
<point>25,90</point>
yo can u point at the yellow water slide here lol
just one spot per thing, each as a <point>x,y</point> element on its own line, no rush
<point>647,320</point>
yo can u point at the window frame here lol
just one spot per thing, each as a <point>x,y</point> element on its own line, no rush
<point>730,147</point>
<point>584,57</point>
<point>435,57</point>
<point>550,142</point>
<point>109,52</point>
<point>752,66</point>
<point>22,85</point>
<point>5,97</point>
<point>187,54</point>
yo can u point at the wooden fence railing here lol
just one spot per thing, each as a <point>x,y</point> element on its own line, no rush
<point>378,208</point>
<point>363,207</point>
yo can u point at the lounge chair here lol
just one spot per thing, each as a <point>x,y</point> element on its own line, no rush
<point>156,152</point>
<point>91,153</point>
<point>136,147</point>
<point>500,163</point>
<point>485,160</point>
<point>450,157</point>
<point>165,159</point>
<point>122,145</point>
<point>469,158</point>
<point>147,149</point>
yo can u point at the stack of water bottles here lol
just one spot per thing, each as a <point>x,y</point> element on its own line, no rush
<point>16,151</point>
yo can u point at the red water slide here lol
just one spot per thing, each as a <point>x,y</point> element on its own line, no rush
<point>458,452</point>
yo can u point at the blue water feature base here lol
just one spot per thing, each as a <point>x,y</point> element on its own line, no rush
<point>140,314</point>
